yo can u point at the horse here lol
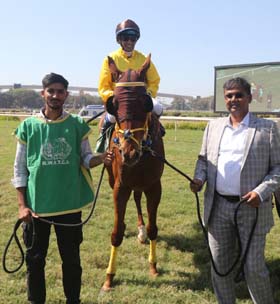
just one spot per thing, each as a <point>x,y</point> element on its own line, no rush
<point>142,232</point>
<point>135,141</point>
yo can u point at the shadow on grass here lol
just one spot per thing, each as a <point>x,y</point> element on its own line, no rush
<point>196,244</point>
<point>200,281</point>
<point>274,268</point>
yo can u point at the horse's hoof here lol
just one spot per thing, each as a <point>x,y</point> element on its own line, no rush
<point>105,289</point>
<point>107,286</point>
<point>142,234</point>
<point>103,295</point>
<point>153,270</point>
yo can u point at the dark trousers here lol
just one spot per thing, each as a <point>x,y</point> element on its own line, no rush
<point>68,241</point>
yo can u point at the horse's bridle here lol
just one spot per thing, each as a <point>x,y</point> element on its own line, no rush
<point>128,134</point>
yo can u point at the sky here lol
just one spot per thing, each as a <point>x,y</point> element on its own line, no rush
<point>187,39</point>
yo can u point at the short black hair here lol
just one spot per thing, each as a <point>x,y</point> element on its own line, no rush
<point>54,78</point>
<point>238,82</point>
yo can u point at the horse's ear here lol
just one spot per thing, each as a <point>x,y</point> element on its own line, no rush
<point>113,69</point>
<point>145,65</point>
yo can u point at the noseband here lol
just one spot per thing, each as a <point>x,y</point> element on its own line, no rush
<point>128,134</point>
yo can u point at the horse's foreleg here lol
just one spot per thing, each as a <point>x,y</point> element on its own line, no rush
<point>121,197</point>
<point>153,199</point>
<point>112,263</point>
<point>137,198</point>
<point>153,258</point>
<point>142,233</point>
<point>111,270</point>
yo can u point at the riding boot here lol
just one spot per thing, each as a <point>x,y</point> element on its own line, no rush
<point>105,126</point>
<point>105,133</point>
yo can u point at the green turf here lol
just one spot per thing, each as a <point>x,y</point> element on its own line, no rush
<point>183,260</point>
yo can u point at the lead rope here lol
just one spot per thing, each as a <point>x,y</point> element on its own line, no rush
<point>91,210</point>
<point>14,236</point>
<point>18,223</point>
<point>240,272</point>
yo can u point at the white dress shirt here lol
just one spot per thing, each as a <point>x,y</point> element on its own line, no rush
<point>231,153</point>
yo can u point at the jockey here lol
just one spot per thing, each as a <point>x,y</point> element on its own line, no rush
<point>127,34</point>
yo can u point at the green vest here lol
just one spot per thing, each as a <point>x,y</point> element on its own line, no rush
<point>57,182</point>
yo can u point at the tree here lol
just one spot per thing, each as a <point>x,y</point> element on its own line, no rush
<point>78,101</point>
<point>20,98</point>
<point>30,99</point>
<point>202,103</point>
<point>179,103</point>
<point>6,101</point>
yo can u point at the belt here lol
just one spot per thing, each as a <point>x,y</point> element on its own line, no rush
<point>229,198</point>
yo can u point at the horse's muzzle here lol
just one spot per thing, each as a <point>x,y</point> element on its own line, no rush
<point>131,158</point>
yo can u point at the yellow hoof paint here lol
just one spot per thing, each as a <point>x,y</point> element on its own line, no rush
<point>152,256</point>
<point>112,263</point>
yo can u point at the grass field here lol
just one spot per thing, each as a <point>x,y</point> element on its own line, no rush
<point>183,260</point>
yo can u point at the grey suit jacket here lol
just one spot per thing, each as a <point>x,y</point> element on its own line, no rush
<point>260,169</point>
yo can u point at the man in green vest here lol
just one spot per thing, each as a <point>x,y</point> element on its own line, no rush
<point>53,181</point>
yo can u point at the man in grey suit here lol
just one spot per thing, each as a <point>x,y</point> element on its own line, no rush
<point>239,158</point>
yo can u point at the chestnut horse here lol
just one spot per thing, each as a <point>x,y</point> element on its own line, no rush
<point>142,232</point>
<point>134,167</point>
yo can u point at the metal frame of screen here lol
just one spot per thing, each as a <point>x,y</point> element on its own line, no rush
<point>265,85</point>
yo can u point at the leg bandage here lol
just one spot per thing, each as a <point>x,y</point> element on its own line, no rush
<point>112,263</point>
<point>152,256</point>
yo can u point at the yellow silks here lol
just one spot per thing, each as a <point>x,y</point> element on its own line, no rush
<point>106,85</point>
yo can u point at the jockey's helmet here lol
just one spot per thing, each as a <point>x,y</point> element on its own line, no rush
<point>127,27</point>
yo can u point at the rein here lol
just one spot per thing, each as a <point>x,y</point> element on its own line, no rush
<point>94,117</point>
<point>91,210</point>
<point>14,236</point>
<point>18,223</point>
<point>240,272</point>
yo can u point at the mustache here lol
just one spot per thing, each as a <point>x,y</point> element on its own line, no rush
<point>232,104</point>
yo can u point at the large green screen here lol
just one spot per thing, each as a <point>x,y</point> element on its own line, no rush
<point>265,85</point>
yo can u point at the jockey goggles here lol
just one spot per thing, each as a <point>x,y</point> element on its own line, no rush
<point>126,37</point>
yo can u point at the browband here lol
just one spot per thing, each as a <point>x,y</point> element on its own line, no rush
<point>131,84</point>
